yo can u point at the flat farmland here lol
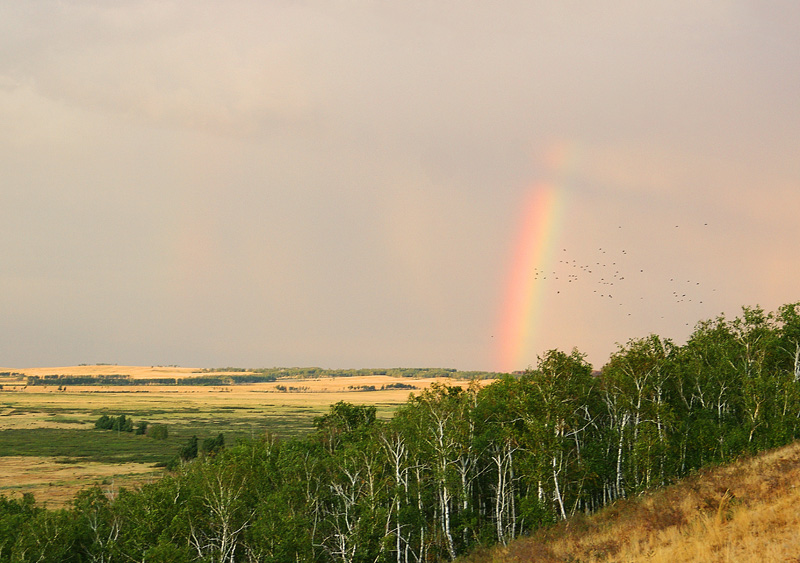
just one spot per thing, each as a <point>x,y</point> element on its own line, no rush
<point>49,445</point>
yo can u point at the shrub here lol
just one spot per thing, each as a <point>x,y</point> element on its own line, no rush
<point>120,423</point>
<point>123,424</point>
<point>213,445</point>
<point>157,431</point>
<point>399,386</point>
<point>105,422</point>
<point>189,451</point>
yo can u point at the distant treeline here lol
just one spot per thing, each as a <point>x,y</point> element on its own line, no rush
<point>127,380</point>
<point>382,387</point>
<point>314,372</point>
<point>240,376</point>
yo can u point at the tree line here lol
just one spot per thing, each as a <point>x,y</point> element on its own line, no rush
<point>241,376</point>
<point>455,467</point>
<point>127,380</point>
<point>316,372</point>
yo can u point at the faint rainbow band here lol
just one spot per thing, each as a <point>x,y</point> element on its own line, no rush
<point>521,318</point>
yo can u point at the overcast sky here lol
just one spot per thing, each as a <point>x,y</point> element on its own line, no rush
<point>341,183</point>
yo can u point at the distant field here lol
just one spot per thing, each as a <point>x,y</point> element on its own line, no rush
<point>49,446</point>
<point>55,480</point>
<point>146,372</point>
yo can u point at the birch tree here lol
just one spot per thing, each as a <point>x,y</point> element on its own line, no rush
<point>635,390</point>
<point>558,409</point>
<point>221,513</point>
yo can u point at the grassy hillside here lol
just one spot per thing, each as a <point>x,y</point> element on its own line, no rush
<point>747,511</point>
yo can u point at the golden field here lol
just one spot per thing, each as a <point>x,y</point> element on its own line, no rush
<point>54,481</point>
<point>315,385</point>
<point>35,413</point>
<point>137,372</point>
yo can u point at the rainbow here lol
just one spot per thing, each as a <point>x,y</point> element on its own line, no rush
<point>532,254</point>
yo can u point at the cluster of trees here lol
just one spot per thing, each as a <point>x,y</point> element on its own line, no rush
<point>95,380</point>
<point>228,379</point>
<point>389,386</point>
<point>209,447</point>
<point>123,423</point>
<point>56,379</point>
<point>291,389</point>
<point>455,467</point>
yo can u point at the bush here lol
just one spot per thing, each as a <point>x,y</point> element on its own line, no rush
<point>213,445</point>
<point>120,423</point>
<point>105,422</point>
<point>189,451</point>
<point>165,552</point>
<point>123,424</point>
<point>399,386</point>
<point>157,431</point>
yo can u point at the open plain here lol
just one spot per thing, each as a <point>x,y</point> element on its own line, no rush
<point>49,445</point>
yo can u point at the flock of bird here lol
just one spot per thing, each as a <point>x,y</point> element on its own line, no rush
<point>615,275</point>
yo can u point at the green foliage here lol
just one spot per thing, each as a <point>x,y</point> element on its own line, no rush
<point>105,422</point>
<point>49,536</point>
<point>361,388</point>
<point>455,468</point>
<point>399,386</point>
<point>14,516</point>
<point>167,553</point>
<point>120,423</point>
<point>346,417</point>
<point>344,422</point>
<point>104,447</point>
<point>157,431</point>
<point>213,445</point>
<point>189,451</point>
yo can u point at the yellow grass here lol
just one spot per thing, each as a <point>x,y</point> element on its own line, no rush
<point>317,393</point>
<point>321,384</point>
<point>10,419</point>
<point>136,372</point>
<point>30,407</point>
<point>56,481</point>
<point>746,512</point>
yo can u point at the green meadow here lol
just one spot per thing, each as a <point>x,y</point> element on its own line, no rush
<point>45,432</point>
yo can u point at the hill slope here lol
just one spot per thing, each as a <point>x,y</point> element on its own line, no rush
<point>747,511</point>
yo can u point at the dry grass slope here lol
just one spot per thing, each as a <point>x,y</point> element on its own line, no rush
<point>748,511</point>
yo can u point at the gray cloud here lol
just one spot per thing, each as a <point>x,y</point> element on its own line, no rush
<point>340,183</point>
